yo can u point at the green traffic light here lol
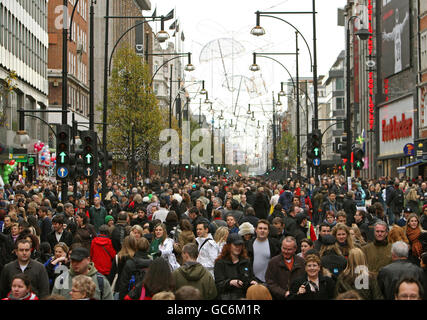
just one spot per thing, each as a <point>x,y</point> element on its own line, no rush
<point>316,151</point>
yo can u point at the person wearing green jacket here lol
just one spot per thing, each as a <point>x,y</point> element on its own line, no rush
<point>97,214</point>
<point>81,264</point>
<point>193,274</point>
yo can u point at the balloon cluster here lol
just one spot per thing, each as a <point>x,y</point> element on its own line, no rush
<point>44,154</point>
<point>8,169</point>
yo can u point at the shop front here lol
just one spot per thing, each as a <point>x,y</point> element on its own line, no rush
<point>396,134</point>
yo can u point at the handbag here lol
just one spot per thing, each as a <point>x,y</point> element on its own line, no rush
<point>113,285</point>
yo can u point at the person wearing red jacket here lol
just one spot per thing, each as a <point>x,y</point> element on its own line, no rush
<point>21,288</point>
<point>102,251</point>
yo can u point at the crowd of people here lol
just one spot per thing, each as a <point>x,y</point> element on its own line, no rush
<point>215,238</point>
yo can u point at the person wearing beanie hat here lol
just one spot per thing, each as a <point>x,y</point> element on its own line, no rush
<point>109,220</point>
<point>246,230</point>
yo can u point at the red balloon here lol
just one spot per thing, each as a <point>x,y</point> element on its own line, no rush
<point>12,162</point>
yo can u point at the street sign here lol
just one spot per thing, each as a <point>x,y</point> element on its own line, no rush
<point>409,149</point>
<point>316,162</point>
<point>88,172</point>
<point>62,172</point>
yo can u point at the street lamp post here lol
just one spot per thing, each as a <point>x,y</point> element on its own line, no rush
<point>363,34</point>
<point>255,67</point>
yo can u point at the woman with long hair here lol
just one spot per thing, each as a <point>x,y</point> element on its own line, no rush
<point>232,271</point>
<point>356,235</point>
<point>127,252</point>
<point>313,285</point>
<point>356,276</point>
<point>342,233</point>
<point>162,246</point>
<point>414,232</point>
<point>412,200</point>
<point>186,203</point>
<point>397,234</point>
<point>220,237</point>
<point>183,236</point>
<point>158,278</point>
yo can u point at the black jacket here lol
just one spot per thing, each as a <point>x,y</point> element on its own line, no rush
<point>364,229</point>
<point>389,275</point>
<point>140,261</point>
<point>261,206</point>
<point>225,271</point>
<point>349,206</point>
<point>117,236</point>
<point>66,237</point>
<point>334,263</point>
<point>326,289</point>
<point>6,250</point>
<point>35,270</point>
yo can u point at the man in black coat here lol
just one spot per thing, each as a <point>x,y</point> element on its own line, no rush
<point>389,275</point>
<point>360,221</point>
<point>349,206</point>
<point>261,249</point>
<point>250,217</point>
<point>59,234</point>
<point>34,269</point>
<point>45,223</point>
<point>121,230</point>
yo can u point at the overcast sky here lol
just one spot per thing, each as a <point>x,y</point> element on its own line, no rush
<point>226,24</point>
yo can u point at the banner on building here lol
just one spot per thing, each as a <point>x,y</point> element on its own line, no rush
<point>139,37</point>
<point>395,36</point>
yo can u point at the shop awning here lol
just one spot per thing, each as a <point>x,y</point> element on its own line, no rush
<point>402,169</point>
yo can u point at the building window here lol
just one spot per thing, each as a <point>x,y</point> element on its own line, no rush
<point>339,84</point>
<point>340,103</point>
<point>423,50</point>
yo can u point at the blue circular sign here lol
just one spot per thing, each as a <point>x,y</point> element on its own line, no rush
<point>62,172</point>
<point>409,149</point>
<point>316,162</point>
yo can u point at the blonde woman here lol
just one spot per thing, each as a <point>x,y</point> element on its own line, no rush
<point>137,231</point>
<point>356,276</point>
<point>356,235</point>
<point>342,233</point>
<point>220,237</point>
<point>412,200</point>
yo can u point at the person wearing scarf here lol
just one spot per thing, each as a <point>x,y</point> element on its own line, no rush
<point>413,232</point>
<point>21,288</point>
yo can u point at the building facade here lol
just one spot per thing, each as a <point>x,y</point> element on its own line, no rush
<point>77,61</point>
<point>24,53</point>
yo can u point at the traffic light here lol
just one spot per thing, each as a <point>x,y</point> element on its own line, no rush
<point>316,147</point>
<point>343,149</point>
<point>89,153</point>
<point>109,160</point>
<point>358,155</point>
<point>62,150</point>
<point>101,159</point>
<point>309,151</point>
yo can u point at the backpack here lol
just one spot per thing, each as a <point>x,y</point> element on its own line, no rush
<point>399,198</point>
<point>136,277</point>
<point>100,279</point>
